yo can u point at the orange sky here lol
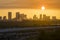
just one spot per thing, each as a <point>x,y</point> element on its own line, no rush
<point>31,12</point>
<point>50,4</point>
<point>30,7</point>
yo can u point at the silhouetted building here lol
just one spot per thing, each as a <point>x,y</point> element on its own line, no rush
<point>4,18</point>
<point>40,16</point>
<point>53,17</point>
<point>0,18</point>
<point>35,18</point>
<point>17,16</point>
<point>9,15</point>
<point>23,17</point>
<point>44,17</point>
<point>47,18</point>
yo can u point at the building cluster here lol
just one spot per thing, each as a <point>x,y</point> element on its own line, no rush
<point>20,17</point>
<point>44,17</point>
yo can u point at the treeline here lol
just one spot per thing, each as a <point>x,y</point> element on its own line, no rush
<point>28,23</point>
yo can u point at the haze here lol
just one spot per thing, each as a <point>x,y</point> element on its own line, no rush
<point>29,3</point>
<point>30,7</point>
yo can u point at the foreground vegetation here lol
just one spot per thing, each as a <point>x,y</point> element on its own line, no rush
<point>41,34</point>
<point>28,23</point>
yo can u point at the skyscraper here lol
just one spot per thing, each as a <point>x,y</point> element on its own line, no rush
<point>44,17</point>
<point>0,18</point>
<point>23,17</point>
<point>4,18</point>
<point>17,16</point>
<point>9,15</point>
<point>35,17</point>
<point>47,18</point>
<point>40,16</point>
<point>53,17</point>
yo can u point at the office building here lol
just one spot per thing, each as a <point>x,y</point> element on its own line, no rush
<point>17,16</point>
<point>23,17</point>
<point>0,18</point>
<point>44,17</point>
<point>47,18</point>
<point>4,18</point>
<point>35,17</point>
<point>9,15</point>
<point>40,16</point>
<point>53,17</point>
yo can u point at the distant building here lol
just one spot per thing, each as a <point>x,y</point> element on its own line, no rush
<point>53,17</point>
<point>4,18</point>
<point>47,18</point>
<point>40,16</point>
<point>44,17</point>
<point>23,17</point>
<point>9,15</point>
<point>20,17</point>
<point>35,18</point>
<point>0,18</point>
<point>17,16</point>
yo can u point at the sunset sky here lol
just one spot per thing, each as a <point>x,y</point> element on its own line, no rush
<point>29,3</point>
<point>30,7</point>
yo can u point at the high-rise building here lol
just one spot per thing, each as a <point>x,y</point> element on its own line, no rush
<point>35,17</point>
<point>47,18</point>
<point>0,18</point>
<point>40,16</point>
<point>9,15</point>
<point>4,18</point>
<point>17,16</point>
<point>23,16</point>
<point>44,17</point>
<point>53,17</point>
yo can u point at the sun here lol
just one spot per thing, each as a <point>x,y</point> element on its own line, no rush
<point>43,8</point>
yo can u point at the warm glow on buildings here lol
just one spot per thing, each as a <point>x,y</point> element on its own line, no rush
<point>31,12</point>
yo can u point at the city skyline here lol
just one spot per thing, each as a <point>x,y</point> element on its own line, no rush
<point>30,7</point>
<point>30,19</point>
<point>31,12</point>
<point>20,16</point>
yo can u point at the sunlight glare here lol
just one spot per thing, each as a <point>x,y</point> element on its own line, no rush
<point>43,8</point>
